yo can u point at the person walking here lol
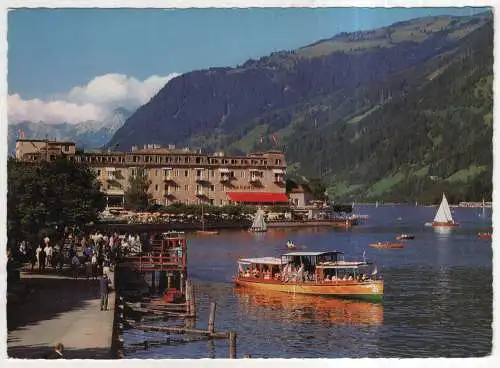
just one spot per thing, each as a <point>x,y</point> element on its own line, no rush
<point>104,289</point>
<point>75,265</point>
<point>42,256</point>
<point>94,266</point>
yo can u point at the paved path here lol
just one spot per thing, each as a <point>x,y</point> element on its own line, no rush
<point>64,310</point>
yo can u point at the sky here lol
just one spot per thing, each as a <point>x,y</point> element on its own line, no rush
<point>71,65</point>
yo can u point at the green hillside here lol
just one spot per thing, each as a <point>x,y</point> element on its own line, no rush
<point>398,113</point>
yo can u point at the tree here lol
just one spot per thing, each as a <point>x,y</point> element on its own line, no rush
<point>45,197</point>
<point>137,196</point>
<point>317,188</point>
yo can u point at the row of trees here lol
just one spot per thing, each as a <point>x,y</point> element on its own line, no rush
<point>45,197</point>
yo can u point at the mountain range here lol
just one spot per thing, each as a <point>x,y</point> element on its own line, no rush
<point>400,113</point>
<point>87,135</point>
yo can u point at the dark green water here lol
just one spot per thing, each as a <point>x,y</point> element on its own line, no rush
<point>437,300</point>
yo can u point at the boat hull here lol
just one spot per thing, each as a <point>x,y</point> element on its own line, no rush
<point>387,246</point>
<point>444,224</point>
<point>367,290</point>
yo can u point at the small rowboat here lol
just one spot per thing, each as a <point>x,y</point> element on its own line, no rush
<point>484,235</point>
<point>387,245</point>
<point>405,237</point>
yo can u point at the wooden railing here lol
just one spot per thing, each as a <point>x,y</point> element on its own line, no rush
<point>158,263</point>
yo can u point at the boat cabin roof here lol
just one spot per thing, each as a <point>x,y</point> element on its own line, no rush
<point>343,264</point>
<point>261,260</point>
<point>312,253</point>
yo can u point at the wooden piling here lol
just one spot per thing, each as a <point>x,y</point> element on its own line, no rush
<point>153,282</point>
<point>211,317</point>
<point>181,330</point>
<point>232,345</point>
<point>188,298</point>
<point>192,308</point>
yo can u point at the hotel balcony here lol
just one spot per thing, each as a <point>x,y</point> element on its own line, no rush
<point>202,180</point>
<point>201,194</point>
<point>225,175</point>
<point>114,192</point>
<point>279,176</point>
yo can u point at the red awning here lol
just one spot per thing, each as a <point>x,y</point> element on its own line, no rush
<point>257,197</point>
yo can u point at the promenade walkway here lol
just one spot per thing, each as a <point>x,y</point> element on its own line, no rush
<point>60,309</point>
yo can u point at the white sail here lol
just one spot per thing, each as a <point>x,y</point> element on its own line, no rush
<point>443,213</point>
<point>258,223</point>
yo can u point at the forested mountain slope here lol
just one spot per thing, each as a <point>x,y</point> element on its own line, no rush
<point>384,114</point>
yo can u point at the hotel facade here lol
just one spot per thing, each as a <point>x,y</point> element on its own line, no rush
<point>176,175</point>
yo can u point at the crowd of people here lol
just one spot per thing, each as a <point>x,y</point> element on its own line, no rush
<point>88,255</point>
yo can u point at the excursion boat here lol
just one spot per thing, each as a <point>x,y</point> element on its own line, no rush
<point>405,237</point>
<point>386,245</point>
<point>443,216</point>
<point>313,273</point>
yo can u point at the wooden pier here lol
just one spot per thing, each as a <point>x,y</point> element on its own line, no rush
<point>172,295</point>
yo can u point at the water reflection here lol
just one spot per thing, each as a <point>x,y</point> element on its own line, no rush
<point>296,307</point>
<point>443,231</point>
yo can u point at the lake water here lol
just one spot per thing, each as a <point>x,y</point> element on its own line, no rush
<point>437,299</point>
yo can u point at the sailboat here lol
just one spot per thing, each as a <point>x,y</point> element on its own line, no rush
<point>443,216</point>
<point>259,225</point>
<point>483,214</point>
<point>203,231</point>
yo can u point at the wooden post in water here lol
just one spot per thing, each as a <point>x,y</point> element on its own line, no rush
<point>182,286</point>
<point>232,345</point>
<point>211,317</point>
<point>188,298</point>
<point>153,282</point>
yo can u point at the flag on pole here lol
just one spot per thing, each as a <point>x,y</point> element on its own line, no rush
<point>261,139</point>
<point>275,140</point>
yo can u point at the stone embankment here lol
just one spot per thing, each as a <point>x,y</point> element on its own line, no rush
<point>59,309</point>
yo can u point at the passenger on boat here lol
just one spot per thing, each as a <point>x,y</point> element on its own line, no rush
<point>327,278</point>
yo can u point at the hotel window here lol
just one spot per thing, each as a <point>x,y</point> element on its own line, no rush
<point>212,173</point>
<point>186,173</point>
<point>66,148</point>
<point>156,172</point>
<point>212,187</point>
<point>98,172</point>
<point>186,159</point>
<point>156,187</point>
<point>176,173</point>
<point>186,188</point>
<point>165,187</point>
<point>198,160</point>
<point>242,174</point>
<point>198,173</point>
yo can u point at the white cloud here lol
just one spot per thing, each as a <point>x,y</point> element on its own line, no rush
<point>92,101</point>
<point>51,111</point>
